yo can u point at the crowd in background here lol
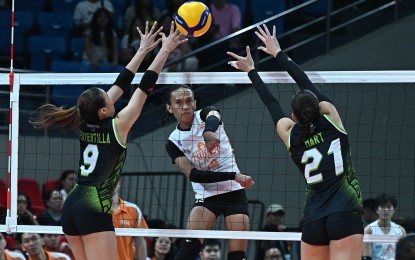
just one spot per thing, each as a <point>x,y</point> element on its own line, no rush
<point>378,218</point>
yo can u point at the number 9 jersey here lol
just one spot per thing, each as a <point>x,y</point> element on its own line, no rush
<point>102,157</point>
<point>324,158</point>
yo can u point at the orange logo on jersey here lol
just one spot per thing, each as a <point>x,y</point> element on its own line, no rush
<point>202,156</point>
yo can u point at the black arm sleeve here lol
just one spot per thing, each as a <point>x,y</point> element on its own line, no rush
<point>210,177</point>
<point>148,81</point>
<point>173,151</point>
<point>299,76</point>
<point>266,96</point>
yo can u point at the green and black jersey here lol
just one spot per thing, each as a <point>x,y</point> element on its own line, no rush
<point>324,159</point>
<point>102,158</point>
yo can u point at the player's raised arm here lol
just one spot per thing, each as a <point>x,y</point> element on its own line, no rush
<point>126,76</point>
<point>282,123</point>
<point>127,116</point>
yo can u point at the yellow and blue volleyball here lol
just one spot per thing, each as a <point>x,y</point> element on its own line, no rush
<point>193,18</point>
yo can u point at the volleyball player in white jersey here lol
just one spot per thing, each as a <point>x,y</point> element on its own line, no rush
<point>201,148</point>
<point>385,208</point>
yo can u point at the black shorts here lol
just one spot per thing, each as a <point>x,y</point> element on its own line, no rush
<point>82,213</point>
<point>333,227</point>
<point>226,204</point>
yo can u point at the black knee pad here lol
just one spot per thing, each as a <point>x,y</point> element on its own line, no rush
<point>189,249</point>
<point>236,255</point>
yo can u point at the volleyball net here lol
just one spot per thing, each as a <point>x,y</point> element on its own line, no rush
<point>376,107</point>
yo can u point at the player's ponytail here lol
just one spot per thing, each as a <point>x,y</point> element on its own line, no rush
<point>85,110</point>
<point>51,115</point>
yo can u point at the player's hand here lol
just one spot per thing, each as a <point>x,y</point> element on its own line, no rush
<point>242,63</point>
<point>175,38</point>
<point>147,42</point>
<point>272,46</point>
<point>245,180</point>
<point>212,141</point>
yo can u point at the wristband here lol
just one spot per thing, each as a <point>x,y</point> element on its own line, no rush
<point>124,79</point>
<point>148,81</point>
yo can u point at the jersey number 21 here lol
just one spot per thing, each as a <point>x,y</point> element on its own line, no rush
<point>316,156</point>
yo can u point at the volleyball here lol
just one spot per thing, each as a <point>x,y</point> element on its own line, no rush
<point>193,18</point>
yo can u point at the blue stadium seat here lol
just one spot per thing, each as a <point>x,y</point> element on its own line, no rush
<point>23,24</point>
<point>55,24</point>
<point>319,8</point>
<point>67,95</point>
<point>77,48</point>
<point>29,5</point>
<point>44,49</point>
<point>264,9</point>
<point>160,4</point>
<point>64,6</point>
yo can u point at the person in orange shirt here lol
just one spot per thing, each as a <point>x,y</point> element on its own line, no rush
<point>32,244</point>
<point>6,254</point>
<point>128,215</point>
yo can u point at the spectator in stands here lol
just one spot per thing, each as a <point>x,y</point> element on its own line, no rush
<point>52,215</point>
<point>5,4</point>
<point>145,10</point>
<point>57,243</point>
<point>385,208</point>
<point>24,210</point>
<point>274,222</point>
<point>210,249</point>
<point>171,8</point>
<point>128,215</point>
<point>369,211</point>
<point>227,19</point>
<point>189,64</point>
<point>405,248</point>
<point>273,253</point>
<point>68,180</point>
<point>161,249</point>
<point>84,12</point>
<point>130,44</point>
<point>6,254</point>
<point>101,49</point>
<point>32,244</point>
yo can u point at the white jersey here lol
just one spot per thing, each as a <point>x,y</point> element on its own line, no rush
<point>384,251</point>
<point>192,144</point>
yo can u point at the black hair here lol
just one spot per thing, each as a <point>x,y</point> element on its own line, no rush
<point>89,102</point>
<point>173,88</point>
<point>210,242</point>
<point>152,250</point>
<point>386,198</point>
<point>49,194</point>
<point>405,248</point>
<point>65,174</point>
<point>28,200</point>
<point>306,108</point>
<point>108,31</point>
<point>370,203</point>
